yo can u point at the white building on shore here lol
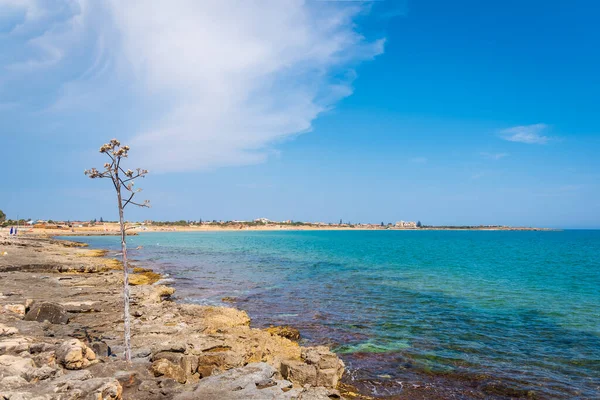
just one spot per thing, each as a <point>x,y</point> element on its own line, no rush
<point>406,224</point>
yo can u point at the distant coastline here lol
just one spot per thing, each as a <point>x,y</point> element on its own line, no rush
<point>112,228</point>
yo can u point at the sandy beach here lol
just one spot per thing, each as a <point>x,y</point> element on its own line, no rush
<point>112,228</point>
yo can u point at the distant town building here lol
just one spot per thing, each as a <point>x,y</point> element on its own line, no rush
<point>406,224</point>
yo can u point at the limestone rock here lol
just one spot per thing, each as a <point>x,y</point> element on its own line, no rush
<point>253,382</point>
<point>15,366</point>
<point>12,382</point>
<point>42,373</point>
<point>7,330</point>
<point>14,344</point>
<point>168,355</point>
<point>92,389</point>
<point>24,396</point>
<point>299,372</point>
<point>221,360</point>
<point>101,348</point>
<point>148,386</point>
<point>156,293</point>
<point>319,367</point>
<point>18,309</point>
<point>328,367</point>
<point>28,304</point>
<point>82,375</point>
<point>188,363</point>
<point>216,318</point>
<point>140,352</point>
<point>47,358</point>
<point>138,279</point>
<point>40,347</point>
<point>52,312</point>
<point>73,354</point>
<point>171,346</point>
<point>284,331</point>
<point>81,306</point>
<point>143,276</point>
<point>166,368</point>
<point>127,379</point>
<point>322,357</point>
<point>318,393</point>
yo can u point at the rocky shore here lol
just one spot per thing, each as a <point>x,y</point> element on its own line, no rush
<point>61,337</point>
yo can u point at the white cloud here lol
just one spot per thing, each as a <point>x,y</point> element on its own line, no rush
<point>493,156</point>
<point>226,81</point>
<point>48,30</point>
<point>530,134</point>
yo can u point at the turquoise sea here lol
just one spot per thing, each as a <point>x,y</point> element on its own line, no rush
<point>502,314</point>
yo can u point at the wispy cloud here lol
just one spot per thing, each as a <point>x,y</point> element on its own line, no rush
<point>493,156</point>
<point>530,134</point>
<point>219,85</point>
<point>419,160</point>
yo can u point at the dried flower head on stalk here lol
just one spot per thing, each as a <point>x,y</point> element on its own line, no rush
<point>121,179</point>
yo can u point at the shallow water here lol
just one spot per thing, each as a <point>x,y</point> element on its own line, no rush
<point>505,313</point>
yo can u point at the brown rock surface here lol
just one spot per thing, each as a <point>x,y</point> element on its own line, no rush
<point>284,331</point>
<point>175,346</point>
<point>46,311</point>
<point>18,309</point>
<point>164,367</point>
<point>74,354</point>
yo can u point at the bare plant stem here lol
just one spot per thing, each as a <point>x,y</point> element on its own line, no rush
<point>116,153</point>
<point>126,316</point>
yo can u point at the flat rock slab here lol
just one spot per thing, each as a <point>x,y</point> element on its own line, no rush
<point>255,381</point>
<point>241,383</point>
<point>51,312</point>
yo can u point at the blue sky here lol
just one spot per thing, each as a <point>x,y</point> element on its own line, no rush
<point>463,112</point>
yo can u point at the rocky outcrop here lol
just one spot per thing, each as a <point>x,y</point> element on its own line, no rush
<point>51,312</point>
<point>164,367</point>
<point>143,276</point>
<point>92,389</point>
<point>215,319</point>
<point>284,331</point>
<point>12,382</point>
<point>15,366</point>
<point>254,381</point>
<point>318,367</point>
<point>155,294</point>
<point>18,309</point>
<point>14,344</point>
<point>177,348</point>
<point>73,354</point>
<point>7,330</point>
<point>101,349</point>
